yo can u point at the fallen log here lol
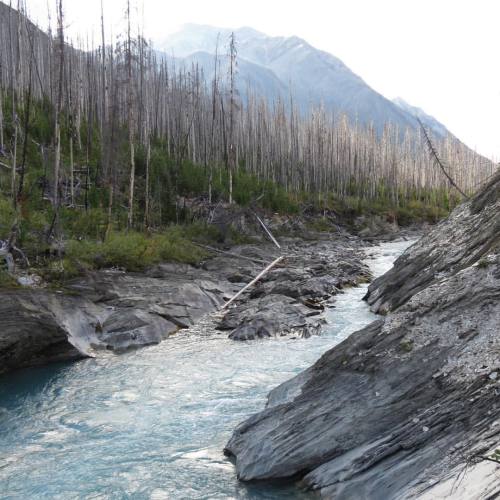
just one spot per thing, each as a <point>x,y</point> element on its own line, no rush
<point>257,278</point>
<point>267,231</point>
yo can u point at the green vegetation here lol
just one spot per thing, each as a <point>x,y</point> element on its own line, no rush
<point>483,263</point>
<point>6,280</point>
<point>89,235</point>
<point>406,345</point>
<point>131,251</point>
<point>406,212</point>
<point>113,157</point>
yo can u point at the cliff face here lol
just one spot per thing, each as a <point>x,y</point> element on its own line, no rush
<point>107,310</point>
<point>402,406</point>
<point>469,233</point>
<point>32,329</point>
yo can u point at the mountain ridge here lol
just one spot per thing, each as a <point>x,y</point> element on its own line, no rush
<point>310,75</point>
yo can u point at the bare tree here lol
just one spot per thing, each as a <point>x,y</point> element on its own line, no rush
<point>232,108</point>
<point>130,106</point>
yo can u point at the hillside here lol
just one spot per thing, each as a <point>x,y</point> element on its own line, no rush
<point>294,67</point>
<point>99,142</point>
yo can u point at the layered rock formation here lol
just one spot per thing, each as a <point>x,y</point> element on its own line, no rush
<point>290,299</point>
<point>117,311</point>
<point>109,310</point>
<point>471,232</point>
<point>34,328</point>
<point>410,405</point>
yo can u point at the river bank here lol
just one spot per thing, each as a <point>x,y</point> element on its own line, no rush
<point>153,422</point>
<point>408,406</point>
<point>114,310</point>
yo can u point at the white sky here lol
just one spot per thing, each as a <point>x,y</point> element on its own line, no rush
<point>440,55</point>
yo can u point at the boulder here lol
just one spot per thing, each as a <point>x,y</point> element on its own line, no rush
<point>271,316</point>
<point>39,327</point>
<point>132,328</point>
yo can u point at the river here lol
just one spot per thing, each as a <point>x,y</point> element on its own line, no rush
<point>152,423</point>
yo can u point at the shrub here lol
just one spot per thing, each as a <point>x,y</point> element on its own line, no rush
<point>132,251</point>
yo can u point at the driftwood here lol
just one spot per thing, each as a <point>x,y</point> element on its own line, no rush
<point>257,278</point>
<point>267,231</point>
<point>22,255</point>
<point>262,273</point>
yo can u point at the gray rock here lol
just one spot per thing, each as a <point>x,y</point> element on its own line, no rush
<point>401,406</point>
<point>39,327</point>
<point>118,311</point>
<point>131,328</point>
<point>376,228</point>
<point>271,316</point>
<point>288,300</point>
<point>181,297</point>
<point>107,310</point>
<point>468,234</point>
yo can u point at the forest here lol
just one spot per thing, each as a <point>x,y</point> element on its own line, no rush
<point>105,145</point>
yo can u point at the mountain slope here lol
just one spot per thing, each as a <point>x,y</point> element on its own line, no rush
<point>261,80</point>
<point>428,120</point>
<point>294,66</point>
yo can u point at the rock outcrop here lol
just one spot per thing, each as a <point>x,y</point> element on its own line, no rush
<point>291,298</point>
<point>271,316</point>
<point>410,405</point>
<point>38,327</point>
<point>469,233</point>
<point>117,311</point>
<point>107,310</point>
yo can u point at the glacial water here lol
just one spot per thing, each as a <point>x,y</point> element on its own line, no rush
<point>151,424</point>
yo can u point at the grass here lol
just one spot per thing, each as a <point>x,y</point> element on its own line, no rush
<point>132,251</point>
<point>483,263</point>
<point>404,213</point>
<point>406,345</point>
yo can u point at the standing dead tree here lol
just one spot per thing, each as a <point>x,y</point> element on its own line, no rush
<point>231,154</point>
<point>130,105</point>
<point>135,127</point>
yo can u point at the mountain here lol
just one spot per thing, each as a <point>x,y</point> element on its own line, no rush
<point>429,121</point>
<point>261,80</point>
<point>282,66</point>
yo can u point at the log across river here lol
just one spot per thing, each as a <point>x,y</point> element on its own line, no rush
<point>152,423</point>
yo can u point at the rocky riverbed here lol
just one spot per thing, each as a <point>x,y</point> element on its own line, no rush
<point>409,406</point>
<point>117,311</point>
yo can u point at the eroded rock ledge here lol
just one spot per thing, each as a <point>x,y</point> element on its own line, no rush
<point>403,406</point>
<point>117,311</point>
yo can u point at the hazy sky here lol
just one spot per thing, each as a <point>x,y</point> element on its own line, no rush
<point>440,55</point>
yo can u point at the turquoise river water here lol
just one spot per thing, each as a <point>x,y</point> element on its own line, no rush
<point>152,423</point>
